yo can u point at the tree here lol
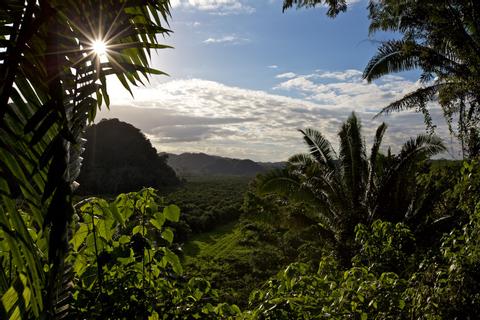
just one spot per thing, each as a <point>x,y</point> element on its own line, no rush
<point>351,188</point>
<point>442,38</point>
<point>53,78</point>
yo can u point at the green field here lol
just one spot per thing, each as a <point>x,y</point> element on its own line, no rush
<point>220,243</point>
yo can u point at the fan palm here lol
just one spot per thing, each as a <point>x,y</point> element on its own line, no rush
<point>344,190</point>
<point>53,79</point>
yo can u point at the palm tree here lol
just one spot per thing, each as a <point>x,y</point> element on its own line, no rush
<point>334,6</point>
<point>439,37</point>
<point>55,57</point>
<point>442,38</point>
<point>344,190</point>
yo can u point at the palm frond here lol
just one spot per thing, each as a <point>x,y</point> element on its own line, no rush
<point>319,147</point>
<point>391,57</point>
<point>372,171</point>
<point>421,147</point>
<point>56,84</point>
<point>303,160</point>
<point>334,6</point>
<point>390,187</point>
<point>353,158</point>
<point>415,100</point>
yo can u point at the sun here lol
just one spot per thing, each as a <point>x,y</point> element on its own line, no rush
<point>99,47</point>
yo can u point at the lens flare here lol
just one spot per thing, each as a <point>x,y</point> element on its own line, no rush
<point>99,47</point>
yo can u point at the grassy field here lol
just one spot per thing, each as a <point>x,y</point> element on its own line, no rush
<point>220,243</point>
<point>219,256</point>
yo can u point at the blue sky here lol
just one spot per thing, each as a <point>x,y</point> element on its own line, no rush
<point>244,77</point>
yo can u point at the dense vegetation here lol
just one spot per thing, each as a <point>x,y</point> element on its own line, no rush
<point>208,202</point>
<point>119,158</point>
<point>334,236</point>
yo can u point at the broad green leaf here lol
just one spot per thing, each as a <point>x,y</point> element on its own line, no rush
<point>173,260</point>
<point>124,239</point>
<point>137,229</point>
<point>79,236</point>
<point>116,214</point>
<point>156,224</point>
<point>167,234</point>
<point>80,265</point>
<point>172,213</point>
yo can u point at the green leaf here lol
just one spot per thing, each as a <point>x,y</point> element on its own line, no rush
<point>172,259</point>
<point>156,224</point>
<point>116,215</point>
<point>79,236</point>
<point>124,239</point>
<point>137,229</point>
<point>167,234</point>
<point>172,213</point>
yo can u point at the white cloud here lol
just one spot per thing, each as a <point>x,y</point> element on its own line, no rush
<point>231,39</point>
<point>287,75</point>
<point>273,66</point>
<point>346,89</point>
<point>220,7</point>
<point>339,75</point>
<point>205,116</point>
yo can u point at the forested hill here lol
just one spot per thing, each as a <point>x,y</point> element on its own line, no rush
<point>119,158</point>
<point>203,164</point>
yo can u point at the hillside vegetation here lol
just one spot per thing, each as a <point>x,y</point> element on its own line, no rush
<point>119,158</point>
<point>188,164</point>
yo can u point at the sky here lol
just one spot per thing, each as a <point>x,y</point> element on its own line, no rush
<point>244,77</point>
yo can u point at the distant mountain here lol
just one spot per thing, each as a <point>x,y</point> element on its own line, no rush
<point>203,164</point>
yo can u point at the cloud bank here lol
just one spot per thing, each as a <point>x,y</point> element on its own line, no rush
<point>197,115</point>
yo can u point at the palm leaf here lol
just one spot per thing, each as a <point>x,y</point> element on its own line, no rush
<point>353,159</point>
<point>391,57</point>
<point>52,81</point>
<point>334,6</point>
<point>372,171</point>
<point>416,99</point>
<point>319,147</point>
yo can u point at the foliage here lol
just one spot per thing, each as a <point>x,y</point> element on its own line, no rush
<point>299,292</point>
<point>208,202</point>
<point>341,192</point>
<point>119,158</point>
<point>51,85</point>
<point>125,269</point>
<point>441,39</point>
<point>334,6</point>
<point>390,278</point>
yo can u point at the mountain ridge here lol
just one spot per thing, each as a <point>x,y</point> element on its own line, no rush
<point>191,163</point>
